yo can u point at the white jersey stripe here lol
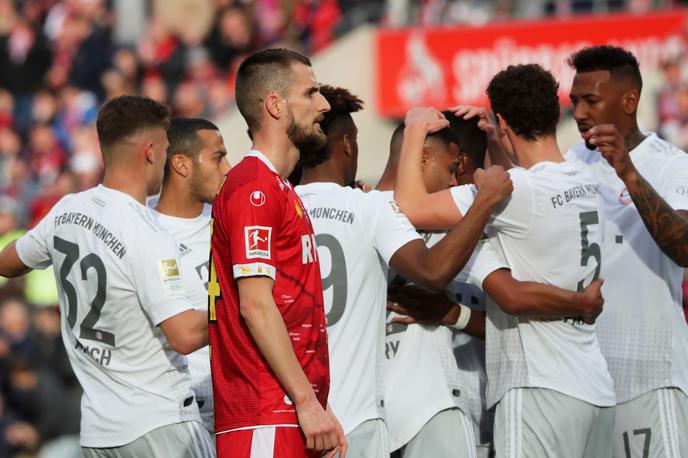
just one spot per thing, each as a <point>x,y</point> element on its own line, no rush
<point>673,430</point>
<point>664,424</point>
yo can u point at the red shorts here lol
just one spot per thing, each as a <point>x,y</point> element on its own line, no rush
<point>264,442</point>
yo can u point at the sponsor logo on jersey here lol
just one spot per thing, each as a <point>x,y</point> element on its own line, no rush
<point>257,241</point>
<point>682,190</point>
<point>257,198</point>
<point>287,401</point>
<point>170,276</point>
<point>184,250</point>
<point>625,197</point>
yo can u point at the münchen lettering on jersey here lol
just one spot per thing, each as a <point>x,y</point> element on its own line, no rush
<point>98,229</point>
<point>344,216</point>
<point>576,192</point>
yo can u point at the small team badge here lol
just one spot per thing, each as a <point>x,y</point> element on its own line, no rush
<point>625,197</point>
<point>257,198</point>
<point>257,241</point>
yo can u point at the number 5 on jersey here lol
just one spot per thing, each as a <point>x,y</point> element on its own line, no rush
<point>213,284</point>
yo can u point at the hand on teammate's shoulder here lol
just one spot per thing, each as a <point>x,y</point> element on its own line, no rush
<point>493,183</point>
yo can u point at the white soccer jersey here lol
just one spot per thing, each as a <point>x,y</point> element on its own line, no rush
<point>118,278</point>
<point>422,375</point>
<point>193,237</point>
<point>548,231</point>
<point>357,233</point>
<point>642,331</point>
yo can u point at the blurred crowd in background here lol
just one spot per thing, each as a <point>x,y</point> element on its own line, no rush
<point>59,60</point>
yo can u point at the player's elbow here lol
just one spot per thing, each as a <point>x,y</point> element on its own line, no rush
<point>184,343</point>
<point>510,302</point>
<point>432,280</point>
<point>251,310</point>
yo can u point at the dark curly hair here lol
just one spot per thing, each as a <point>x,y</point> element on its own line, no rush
<point>334,124</point>
<point>620,63</point>
<point>526,97</point>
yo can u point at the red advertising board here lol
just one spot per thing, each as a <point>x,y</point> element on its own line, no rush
<point>447,66</point>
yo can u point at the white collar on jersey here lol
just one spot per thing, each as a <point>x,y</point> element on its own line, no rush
<point>263,158</point>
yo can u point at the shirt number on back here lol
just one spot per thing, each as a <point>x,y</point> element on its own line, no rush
<point>89,262</point>
<point>336,278</point>
<point>589,250</point>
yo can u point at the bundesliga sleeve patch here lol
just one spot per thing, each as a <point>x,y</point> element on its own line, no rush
<point>170,276</point>
<point>257,242</point>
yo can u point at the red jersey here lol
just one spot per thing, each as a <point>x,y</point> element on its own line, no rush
<point>260,228</point>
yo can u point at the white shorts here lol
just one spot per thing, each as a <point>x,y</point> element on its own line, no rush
<point>542,423</point>
<point>189,439</point>
<point>449,433</point>
<point>654,425</point>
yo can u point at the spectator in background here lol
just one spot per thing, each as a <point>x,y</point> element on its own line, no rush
<point>675,129</point>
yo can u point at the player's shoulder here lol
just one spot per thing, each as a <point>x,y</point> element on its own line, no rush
<point>581,153</point>
<point>251,175</point>
<point>660,149</point>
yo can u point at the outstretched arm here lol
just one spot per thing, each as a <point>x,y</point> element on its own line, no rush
<point>668,227</point>
<point>10,263</point>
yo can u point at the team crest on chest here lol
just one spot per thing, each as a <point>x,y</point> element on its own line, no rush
<point>625,197</point>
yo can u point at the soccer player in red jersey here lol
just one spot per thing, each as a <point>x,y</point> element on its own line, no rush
<point>267,331</point>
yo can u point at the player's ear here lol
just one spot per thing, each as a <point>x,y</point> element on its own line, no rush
<point>273,105</point>
<point>503,126</point>
<point>463,163</point>
<point>630,101</point>
<point>148,151</point>
<point>424,159</point>
<point>181,164</point>
<point>346,144</point>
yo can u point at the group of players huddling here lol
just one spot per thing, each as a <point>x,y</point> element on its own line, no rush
<point>568,266</point>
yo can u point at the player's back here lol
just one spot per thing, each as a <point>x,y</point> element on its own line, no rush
<point>116,279</point>
<point>549,231</point>
<point>356,240</point>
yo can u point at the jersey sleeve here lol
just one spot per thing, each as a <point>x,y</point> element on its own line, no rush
<point>33,248</point>
<point>674,184</point>
<point>514,215</point>
<point>392,229</point>
<point>252,218</point>
<point>158,277</point>
<point>482,263</point>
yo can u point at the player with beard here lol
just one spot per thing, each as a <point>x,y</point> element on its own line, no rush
<point>354,232</point>
<point>195,168</point>
<point>644,184</point>
<point>269,354</point>
<point>546,373</point>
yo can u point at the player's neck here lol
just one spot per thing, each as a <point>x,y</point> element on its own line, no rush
<point>634,137</point>
<point>531,152</point>
<point>324,173</point>
<point>388,179</point>
<point>178,202</point>
<point>279,150</point>
<point>127,182</point>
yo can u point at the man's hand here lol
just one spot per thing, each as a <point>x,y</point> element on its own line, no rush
<point>317,425</point>
<point>493,183</point>
<point>486,121</point>
<point>610,143</point>
<point>429,118</point>
<point>592,301</point>
<point>342,444</point>
<point>420,306</point>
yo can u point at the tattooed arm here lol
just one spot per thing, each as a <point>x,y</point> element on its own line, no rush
<point>668,227</point>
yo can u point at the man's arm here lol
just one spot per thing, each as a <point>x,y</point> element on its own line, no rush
<point>535,300</point>
<point>436,210</point>
<point>420,306</point>
<point>668,227</point>
<point>265,323</point>
<point>10,263</point>
<point>186,332</point>
<point>498,146</point>
<point>434,268</point>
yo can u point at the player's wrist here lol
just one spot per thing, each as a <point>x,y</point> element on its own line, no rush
<point>463,318</point>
